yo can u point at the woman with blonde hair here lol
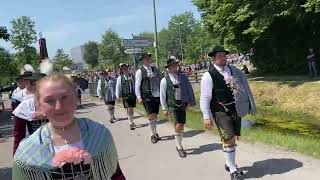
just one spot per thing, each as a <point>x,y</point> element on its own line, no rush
<point>65,147</point>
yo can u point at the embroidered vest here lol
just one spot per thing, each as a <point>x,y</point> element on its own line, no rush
<point>221,93</point>
<point>171,91</point>
<point>127,88</point>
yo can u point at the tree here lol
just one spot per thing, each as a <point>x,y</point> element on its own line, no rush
<point>110,49</point>
<point>4,33</point>
<point>60,60</point>
<point>8,68</point>
<point>28,56</point>
<point>23,33</point>
<point>91,53</point>
<point>279,31</point>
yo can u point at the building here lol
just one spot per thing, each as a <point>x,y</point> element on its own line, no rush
<point>77,55</point>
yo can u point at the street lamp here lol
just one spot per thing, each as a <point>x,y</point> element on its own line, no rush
<point>155,34</point>
<point>179,24</point>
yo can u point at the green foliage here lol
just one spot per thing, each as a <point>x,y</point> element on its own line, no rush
<point>8,68</point>
<point>91,53</point>
<point>110,50</point>
<point>23,33</point>
<point>29,55</point>
<point>280,32</point>
<point>60,60</point>
<point>4,33</point>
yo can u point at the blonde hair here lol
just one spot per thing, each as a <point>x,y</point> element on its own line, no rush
<point>55,77</point>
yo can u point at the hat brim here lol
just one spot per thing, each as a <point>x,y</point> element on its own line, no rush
<point>171,64</point>
<point>145,55</point>
<point>213,53</point>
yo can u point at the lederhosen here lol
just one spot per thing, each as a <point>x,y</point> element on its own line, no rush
<point>223,107</point>
<point>176,107</point>
<point>127,92</point>
<point>150,103</point>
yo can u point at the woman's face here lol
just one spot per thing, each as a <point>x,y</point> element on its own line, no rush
<point>57,101</point>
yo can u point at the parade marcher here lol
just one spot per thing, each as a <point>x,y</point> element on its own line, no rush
<point>147,89</point>
<point>226,97</point>
<point>65,147</point>
<point>107,90</point>
<point>25,114</point>
<point>18,95</point>
<point>125,91</point>
<point>176,94</point>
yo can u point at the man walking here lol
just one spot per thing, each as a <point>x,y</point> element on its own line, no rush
<point>106,91</point>
<point>147,89</point>
<point>125,91</point>
<point>176,94</point>
<point>225,98</point>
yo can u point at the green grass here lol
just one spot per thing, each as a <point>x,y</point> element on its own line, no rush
<point>277,123</point>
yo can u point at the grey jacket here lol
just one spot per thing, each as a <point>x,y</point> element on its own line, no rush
<point>109,90</point>
<point>245,103</point>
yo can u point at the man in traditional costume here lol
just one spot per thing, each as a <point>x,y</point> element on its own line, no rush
<point>18,95</point>
<point>25,114</point>
<point>176,94</point>
<point>147,89</point>
<point>225,98</point>
<point>125,91</point>
<point>106,90</point>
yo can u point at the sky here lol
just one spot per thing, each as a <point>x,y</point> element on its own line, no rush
<point>70,23</point>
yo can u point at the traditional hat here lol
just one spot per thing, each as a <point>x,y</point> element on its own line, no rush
<point>218,49</point>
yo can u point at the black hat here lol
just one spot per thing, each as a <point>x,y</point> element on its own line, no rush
<point>121,65</point>
<point>143,55</point>
<point>24,75</point>
<point>218,49</point>
<point>35,76</point>
<point>170,62</point>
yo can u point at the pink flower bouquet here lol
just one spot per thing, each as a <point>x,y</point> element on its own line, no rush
<point>71,155</point>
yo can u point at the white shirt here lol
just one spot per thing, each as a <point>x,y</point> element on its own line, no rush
<point>66,146</point>
<point>25,109</point>
<point>206,87</point>
<point>18,94</point>
<point>163,90</point>
<point>138,79</point>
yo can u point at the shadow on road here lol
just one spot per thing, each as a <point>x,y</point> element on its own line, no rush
<point>141,125</point>
<point>270,167</point>
<point>204,149</point>
<point>6,124</point>
<point>5,173</point>
<point>162,121</point>
<point>167,138</point>
<point>192,133</point>
<point>88,105</point>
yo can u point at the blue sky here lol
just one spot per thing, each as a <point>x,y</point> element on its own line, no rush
<point>69,23</point>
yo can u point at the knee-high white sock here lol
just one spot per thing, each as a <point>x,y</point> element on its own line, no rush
<point>178,137</point>
<point>230,156</point>
<point>130,117</point>
<point>111,111</point>
<point>153,126</point>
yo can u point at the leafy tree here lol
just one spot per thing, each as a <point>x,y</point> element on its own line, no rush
<point>23,33</point>
<point>110,49</point>
<point>4,33</point>
<point>279,31</point>
<point>28,56</point>
<point>60,60</point>
<point>91,53</point>
<point>8,68</point>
